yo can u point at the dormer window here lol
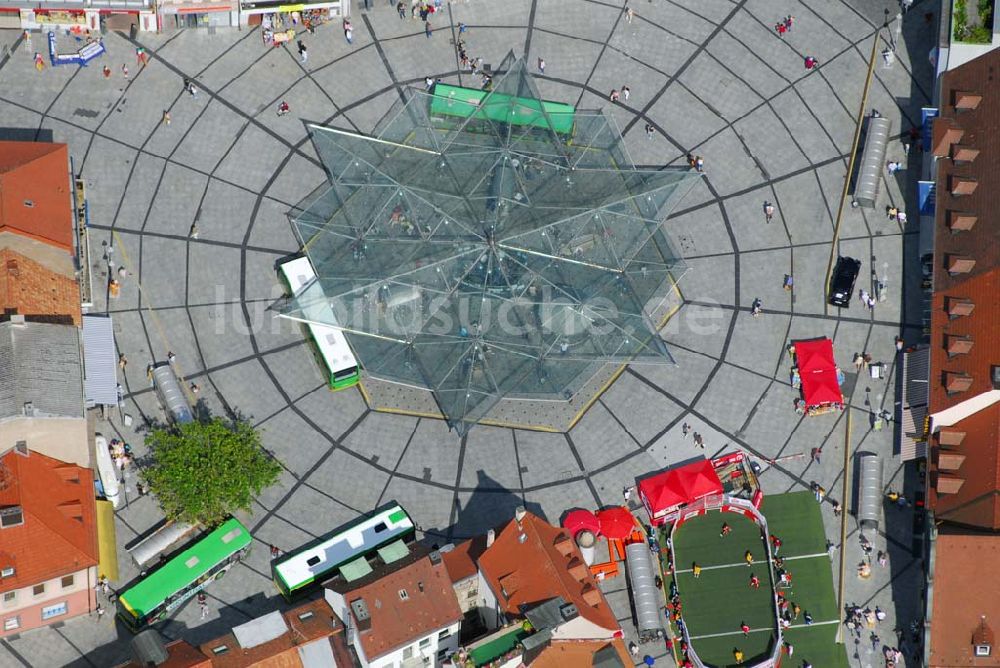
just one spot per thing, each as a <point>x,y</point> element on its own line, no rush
<point>984,650</point>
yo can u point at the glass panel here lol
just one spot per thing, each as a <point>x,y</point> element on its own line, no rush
<point>488,244</point>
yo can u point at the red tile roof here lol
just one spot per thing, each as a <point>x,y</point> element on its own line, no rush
<point>29,288</point>
<point>59,533</point>
<point>35,195</point>
<point>977,501</point>
<point>963,564</point>
<point>565,653</point>
<point>981,327</point>
<point>533,570</point>
<point>429,604</point>
<point>180,654</point>
<point>461,561</point>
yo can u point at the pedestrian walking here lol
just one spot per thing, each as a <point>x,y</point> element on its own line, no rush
<point>811,62</point>
<point>699,441</point>
<point>462,28</point>
<point>303,52</point>
<point>166,117</point>
<point>699,164</point>
<point>789,20</point>
<point>275,552</point>
<point>780,28</point>
<point>650,131</point>
<point>875,641</point>
<point>125,70</point>
<point>348,32</point>
<point>883,558</point>
<point>401,10</point>
<point>726,530</point>
<point>541,65</point>
<point>106,71</point>
<point>696,569</point>
<point>768,211</point>
<point>615,95</point>
<point>755,307</point>
<point>122,361</point>
<point>203,604</point>
<point>685,428</point>
<point>816,453</point>
<point>837,509</point>
<point>171,357</point>
<point>629,14</point>
<point>283,109</point>
<point>195,389</point>
<point>100,612</point>
<point>626,92</point>
<point>627,493</point>
<point>428,31</point>
<point>140,56</point>
<point>899,344</point>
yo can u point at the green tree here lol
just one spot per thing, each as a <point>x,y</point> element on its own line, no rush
<point>203,471</point>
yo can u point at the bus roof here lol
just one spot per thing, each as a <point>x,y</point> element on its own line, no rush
<point>230,537</point>
<point>342,544</point>
<point>458,101</point>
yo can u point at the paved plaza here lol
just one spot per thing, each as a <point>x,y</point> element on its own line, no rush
<point>710,76</point>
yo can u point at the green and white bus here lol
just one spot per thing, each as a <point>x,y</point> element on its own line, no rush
<point>202,562</point>
<point>385,532</point>
<point>331,344</point>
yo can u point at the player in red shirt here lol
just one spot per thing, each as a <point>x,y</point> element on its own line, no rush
<point>754,582</point>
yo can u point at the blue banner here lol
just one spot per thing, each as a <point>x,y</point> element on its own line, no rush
<point>927,197</point>
<point>927,116</point>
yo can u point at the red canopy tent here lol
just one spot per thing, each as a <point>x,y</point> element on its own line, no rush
<point>616,522</point>
<point>579,520</point>
<point>818,374</point>
<point>666,492</point>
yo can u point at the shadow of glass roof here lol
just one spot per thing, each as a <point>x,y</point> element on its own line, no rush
<point>489,244</point>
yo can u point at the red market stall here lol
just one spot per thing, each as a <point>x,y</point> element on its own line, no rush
<point>817,374</point>
<point>666,493</point>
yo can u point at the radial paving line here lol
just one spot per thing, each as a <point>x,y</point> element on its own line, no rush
<point>148,307</point>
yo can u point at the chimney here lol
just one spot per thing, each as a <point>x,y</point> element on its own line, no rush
<point>591,595</point>
<point>564,544</point>
<point>958,344</point>
<point>491,536</point>
<point>955,382</point>
<point>362,616</point>
<point>962,185</point>
<point>958,307</point>
<point>959,264</point>
<point>966,100</point>
<point>948,436</point>
<point>17,320</point>
<point>519,514</point>
<point>961,222</point>
<point>950,461</point>
<point>949,484</point>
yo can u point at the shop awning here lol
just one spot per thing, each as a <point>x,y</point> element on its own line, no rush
<point>355,570</point>
<point>107,545</point>
<point>394,551</point>
<point>100,361</point>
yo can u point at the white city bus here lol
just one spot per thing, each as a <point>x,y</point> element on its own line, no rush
<point>334,351</point>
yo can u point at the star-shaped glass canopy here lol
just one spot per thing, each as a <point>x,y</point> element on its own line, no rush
<point>489,245</point>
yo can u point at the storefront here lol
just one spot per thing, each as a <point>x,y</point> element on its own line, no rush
<point>180,14</point>
<point>89,19</point>
<point>286,15</point>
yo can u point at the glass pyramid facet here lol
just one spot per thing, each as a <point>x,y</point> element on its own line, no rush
<point>492,249</point>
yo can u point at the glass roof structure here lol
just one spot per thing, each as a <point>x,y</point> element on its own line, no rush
<point>488,245</point>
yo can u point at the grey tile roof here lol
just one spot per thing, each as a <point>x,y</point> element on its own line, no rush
<point>40,364</point>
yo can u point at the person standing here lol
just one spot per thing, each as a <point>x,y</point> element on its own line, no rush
<point>775,543</point>
<point>166,117</point>
<point>754,581</point>
<point>748,558</point>
<point>541,65</point>
<point>745,628</point>
<point>696,569</point>
<point>125,70</point>
<point>650,131</point>
<point>401,10</point>
<point>726,530</point>
<point>626,93</point>
<point>768,212</point>
<point>428,31</point>
<point>348,32</point>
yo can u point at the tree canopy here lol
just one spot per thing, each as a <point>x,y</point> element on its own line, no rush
<point>203,471</point>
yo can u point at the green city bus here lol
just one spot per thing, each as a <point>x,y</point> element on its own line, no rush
<point>457,102</point>
<point>202,562</point>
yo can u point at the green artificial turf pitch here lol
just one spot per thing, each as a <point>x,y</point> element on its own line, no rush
<point>721,599</point>
<point>795,519</point>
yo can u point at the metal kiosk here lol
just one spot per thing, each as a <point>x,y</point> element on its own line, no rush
<point>872,160</point>
<point>869,509</point>
<point>645,595</point>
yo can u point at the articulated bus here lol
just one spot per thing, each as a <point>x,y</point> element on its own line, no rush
<point>346,548</point>
<point>331,344</point>
<point>202,562</point>
<point>457,102</point>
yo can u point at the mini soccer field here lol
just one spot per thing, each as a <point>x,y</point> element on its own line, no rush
<point>716,603</point>
<point>721,599</point>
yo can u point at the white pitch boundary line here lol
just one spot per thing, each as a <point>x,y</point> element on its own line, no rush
<point>743,563</point>
<point>739,633</point>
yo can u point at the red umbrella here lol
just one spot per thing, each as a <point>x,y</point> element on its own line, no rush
<point>616,522</point>
<point>578,520</point>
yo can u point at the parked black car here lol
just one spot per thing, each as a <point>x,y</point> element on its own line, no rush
<point>842,283</point>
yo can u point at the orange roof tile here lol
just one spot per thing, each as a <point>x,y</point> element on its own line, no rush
<point>59,533</point>
<point>960,599</point>
<point>564,653</point>
<point>35,195</point>
<point>981,327</point>
<point>977,500</point>
<point>180,653</point>
<point>429,604</point>
<point>461,561</point>
<point>532,570</point>
<point>29,288</point>
<point>282,652</point>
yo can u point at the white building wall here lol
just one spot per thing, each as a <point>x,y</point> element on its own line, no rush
<point>488,605</point>
<point>432,645</point>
